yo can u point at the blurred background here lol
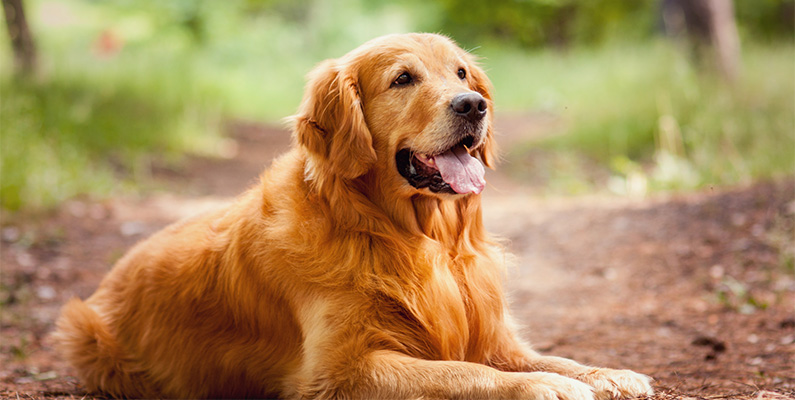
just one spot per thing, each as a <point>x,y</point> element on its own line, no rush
<point>626,96</point>
<point>648,145</point>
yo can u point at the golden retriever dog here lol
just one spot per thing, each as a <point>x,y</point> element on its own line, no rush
<point>357,268</point>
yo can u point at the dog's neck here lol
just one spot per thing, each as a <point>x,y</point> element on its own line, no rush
<point>451,221</point>
<point>369,204</point>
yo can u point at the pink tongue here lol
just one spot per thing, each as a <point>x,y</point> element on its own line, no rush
<point>461,171</point>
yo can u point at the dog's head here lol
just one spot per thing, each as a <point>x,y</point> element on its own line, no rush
<point>415,110</point>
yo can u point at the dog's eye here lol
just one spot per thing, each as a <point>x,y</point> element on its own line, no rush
<point>461,73</point>
<point>403,79</point>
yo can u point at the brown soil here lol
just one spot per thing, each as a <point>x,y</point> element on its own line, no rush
<point>696,290</point>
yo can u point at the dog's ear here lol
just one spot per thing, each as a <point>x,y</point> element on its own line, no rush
<point>481,84</point>
<point>330,121</point>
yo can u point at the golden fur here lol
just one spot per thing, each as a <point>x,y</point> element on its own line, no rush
<point>331,278</point>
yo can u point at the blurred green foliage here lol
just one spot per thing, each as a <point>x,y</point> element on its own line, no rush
<point>766,19</point>
<point>537,23</point>
<point>126,82</point>
<point>548,22</point>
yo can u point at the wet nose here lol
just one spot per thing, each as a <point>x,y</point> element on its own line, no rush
<point>470,105</point>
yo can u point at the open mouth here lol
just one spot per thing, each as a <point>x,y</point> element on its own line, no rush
<point>452,171</point>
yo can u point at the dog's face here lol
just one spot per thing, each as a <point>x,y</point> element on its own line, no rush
<point>414,109</point>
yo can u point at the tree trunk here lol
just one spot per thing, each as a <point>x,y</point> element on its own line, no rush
<point>710,28</point>
<point>725,39</point>
<point>21,39</point>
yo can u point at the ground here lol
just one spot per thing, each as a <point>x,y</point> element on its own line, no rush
<point>696,290</point>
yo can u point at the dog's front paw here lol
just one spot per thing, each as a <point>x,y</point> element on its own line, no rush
<point>548,386</point>
<point>617,383</point>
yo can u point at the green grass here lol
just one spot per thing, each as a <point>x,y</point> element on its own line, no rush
<point>644,111</point>
<point>66,137</point>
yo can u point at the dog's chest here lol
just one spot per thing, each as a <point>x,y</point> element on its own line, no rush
<point>442,319</point>
<point>445,314</point>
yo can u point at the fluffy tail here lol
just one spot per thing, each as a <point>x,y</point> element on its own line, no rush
<point>86,343</point>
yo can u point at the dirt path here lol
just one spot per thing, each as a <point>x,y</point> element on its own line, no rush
<point>697,290</point>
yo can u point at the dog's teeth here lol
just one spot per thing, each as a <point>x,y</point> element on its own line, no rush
<point>425,159</point>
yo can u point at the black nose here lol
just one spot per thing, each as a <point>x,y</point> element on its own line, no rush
<point>470,105</point>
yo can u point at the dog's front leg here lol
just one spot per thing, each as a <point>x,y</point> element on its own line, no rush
<point>608,383</point>
<point>393,375</point>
